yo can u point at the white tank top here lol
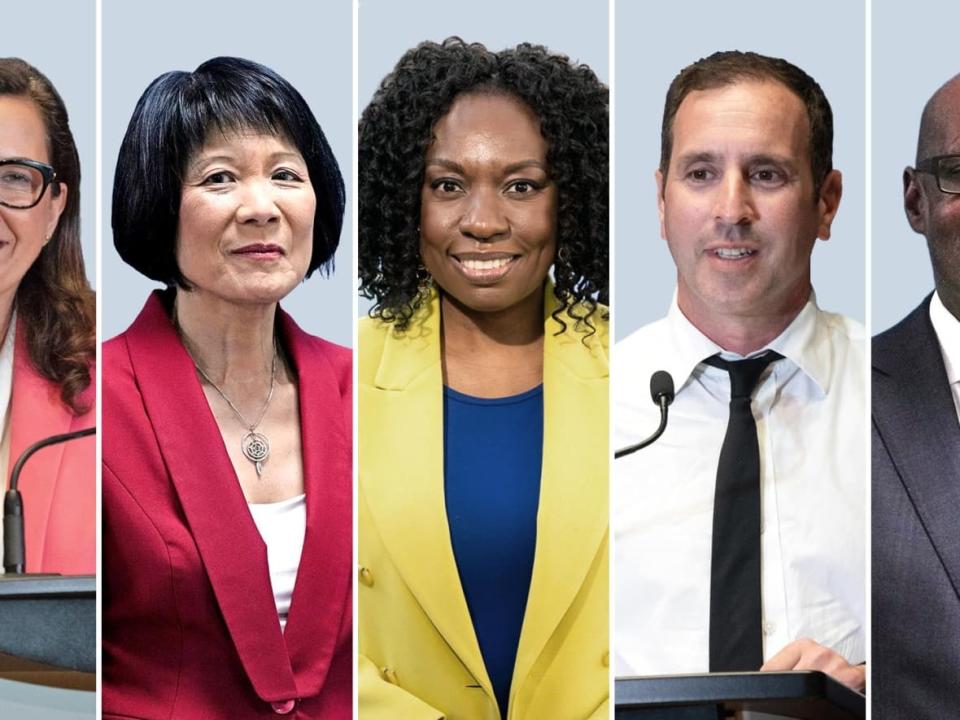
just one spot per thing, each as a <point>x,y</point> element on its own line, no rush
<point>282,526</point>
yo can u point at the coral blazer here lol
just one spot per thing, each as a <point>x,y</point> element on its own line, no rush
<point>58,483</point>
<point>190,626</point>
<point>419,656</point>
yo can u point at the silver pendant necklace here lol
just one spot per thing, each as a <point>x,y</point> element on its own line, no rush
<point>255,445</point>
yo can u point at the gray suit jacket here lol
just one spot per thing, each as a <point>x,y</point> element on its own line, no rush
<point>916,526</point>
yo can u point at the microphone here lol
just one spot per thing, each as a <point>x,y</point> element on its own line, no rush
<point>661,392</point>
<point>14,544</point>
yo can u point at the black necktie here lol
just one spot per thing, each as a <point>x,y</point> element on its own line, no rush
<point>735,609</point>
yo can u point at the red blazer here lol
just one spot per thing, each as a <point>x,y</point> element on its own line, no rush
<point>58,483</point>
<point>190,627</point>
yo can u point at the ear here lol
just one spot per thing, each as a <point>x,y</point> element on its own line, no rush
<point>829,202</point>
<point>914,201</point>
<point>658,178</point>
<point>55,209</point>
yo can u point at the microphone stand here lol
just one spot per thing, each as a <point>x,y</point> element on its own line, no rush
<point>664,402</point>
<point>662,393</point>
<point>14,544</point>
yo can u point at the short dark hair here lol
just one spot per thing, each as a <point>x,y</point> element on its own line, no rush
<point>55,304</point>
<point>396,129</point>
<point>172,121</point>
<point>732,66</point>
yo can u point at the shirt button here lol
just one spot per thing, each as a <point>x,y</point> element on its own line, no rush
<point>769,628</point>
<point>366,577</point>
<point>605,659</point>
<point>283,707</point>
<point>389,675</point>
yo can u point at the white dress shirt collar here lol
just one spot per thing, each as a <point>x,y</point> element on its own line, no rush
<point>947,328</point>
<point>802,342</point>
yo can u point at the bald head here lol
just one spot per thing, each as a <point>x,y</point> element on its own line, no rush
<point>935,123</point>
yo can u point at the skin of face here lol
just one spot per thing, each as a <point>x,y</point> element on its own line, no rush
<point>23,233</point>
<point>737,207</point>
<point>933,213</point>
<point>488,206</point>
<point>245,230</point>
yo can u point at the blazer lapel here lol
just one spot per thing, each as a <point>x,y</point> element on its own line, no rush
<point>572,519</point>
<point>918,425</point>
<point>233,553</point>
<point>36,412</point>
<point>401,478</point>
<point>321,596</point>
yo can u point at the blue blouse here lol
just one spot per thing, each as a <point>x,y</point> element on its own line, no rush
<point>493,452</point>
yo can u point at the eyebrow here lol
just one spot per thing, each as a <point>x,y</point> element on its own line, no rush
<point>456,167</point>
<point>755,159</point>
<point>223,157</point>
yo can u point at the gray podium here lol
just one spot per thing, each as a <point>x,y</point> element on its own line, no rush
<point>799,694</point>
<point>50,619</point>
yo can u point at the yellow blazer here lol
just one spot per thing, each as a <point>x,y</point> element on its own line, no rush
<point>419,656</point>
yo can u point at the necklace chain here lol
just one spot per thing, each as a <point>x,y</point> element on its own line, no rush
<point>273,381</point>
<point>255,446</point>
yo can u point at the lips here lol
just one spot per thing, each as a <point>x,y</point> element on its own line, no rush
<point>732,253</point>
<point>260,251</point>
<point>484,267</point>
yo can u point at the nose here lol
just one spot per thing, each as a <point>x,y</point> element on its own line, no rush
<point>257,203</point>
<point>734,204</point>
<point>483,218</point>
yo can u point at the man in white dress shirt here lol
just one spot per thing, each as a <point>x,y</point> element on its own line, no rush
<point>745,188</point>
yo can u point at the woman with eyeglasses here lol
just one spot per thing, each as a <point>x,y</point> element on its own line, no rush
<point>47,324</point>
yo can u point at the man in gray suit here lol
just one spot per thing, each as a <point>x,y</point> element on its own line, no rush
<point>916,451</point>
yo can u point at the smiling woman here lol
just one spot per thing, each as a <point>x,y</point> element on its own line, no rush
<point>483,388</point>
<point>227,431</point>
<point>47,323</point>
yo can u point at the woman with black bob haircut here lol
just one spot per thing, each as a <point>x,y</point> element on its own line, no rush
<point>227,429</point>
<point>483,373</point>
<point>47,324</point>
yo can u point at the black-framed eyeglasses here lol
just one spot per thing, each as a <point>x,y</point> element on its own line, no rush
<point>946,168</point>
<point>23,182</point>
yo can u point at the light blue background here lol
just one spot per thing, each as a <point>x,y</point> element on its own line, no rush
<point>914,53</point>
<point>654,41</point>
<point>389,28</point>
<point>35,702</point>
<point>58,38</point>
<point>308,43</point>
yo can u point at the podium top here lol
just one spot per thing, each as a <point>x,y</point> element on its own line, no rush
<point>21,587</point>
<point>799,694</point>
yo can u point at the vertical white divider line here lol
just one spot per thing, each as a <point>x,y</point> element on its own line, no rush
<point>354,268</point>
<point>98,253</point>
<point>868,311</point>
<point>611,62</point>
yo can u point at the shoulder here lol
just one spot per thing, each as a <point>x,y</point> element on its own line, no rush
<point>372,335</point>
<point>898,340</point>
<point>338,357</point>
<point>847,337</point>
<point>642,342</point>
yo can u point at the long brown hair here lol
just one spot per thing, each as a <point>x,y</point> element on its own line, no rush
<point>55,303</point>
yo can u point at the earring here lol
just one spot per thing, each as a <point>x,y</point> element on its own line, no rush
<point>563,255</point>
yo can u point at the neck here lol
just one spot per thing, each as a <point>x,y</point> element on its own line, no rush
<point>466,330</point>
<point>232,343</point>
<point>493,354</point>
<point>743,333</point>
<point>949,296</point>
<point>6,313</point>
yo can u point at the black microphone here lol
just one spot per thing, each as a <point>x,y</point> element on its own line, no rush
<point>661,392</point>
<point>14,544</point>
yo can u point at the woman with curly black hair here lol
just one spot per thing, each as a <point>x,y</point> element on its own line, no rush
<point>483,387</point>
